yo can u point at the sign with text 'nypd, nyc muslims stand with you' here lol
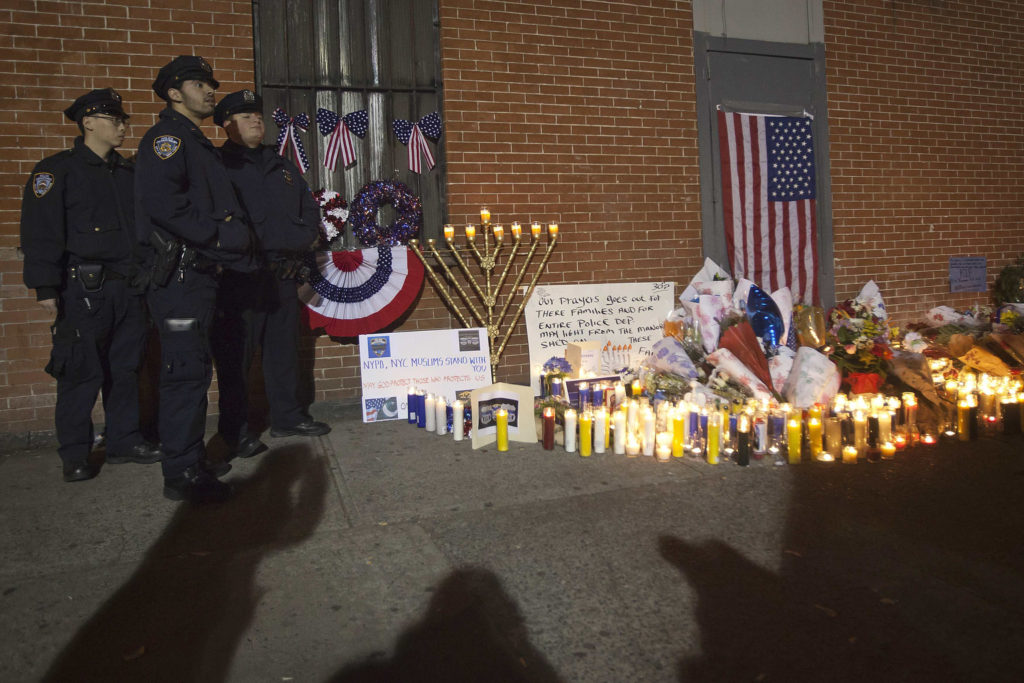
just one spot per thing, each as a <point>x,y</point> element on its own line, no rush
<point>448,363</point>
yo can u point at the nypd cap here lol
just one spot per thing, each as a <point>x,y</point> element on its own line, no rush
<point>236,103</point>
<point>180,69</point>
<point>102,101</point>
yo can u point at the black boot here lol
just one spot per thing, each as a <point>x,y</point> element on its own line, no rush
<point>196,485</point>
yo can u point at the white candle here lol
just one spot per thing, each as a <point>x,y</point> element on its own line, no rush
<point>632,446</point>
<point>648,433</point>
<point>664,453</point>
<point>620,394</point>
<point>600,422</point>
<point>428,410</point>
<point>633,416</point>
<point>570,431</point>
<point>619,442</point>
<point>884,426</point>
<point>441,415</point>
<point>458,420</point>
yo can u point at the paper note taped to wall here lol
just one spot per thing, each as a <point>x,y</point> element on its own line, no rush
<point>625,318</point>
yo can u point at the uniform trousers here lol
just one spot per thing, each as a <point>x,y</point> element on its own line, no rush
<point>98,341</point>
<point>183,313</point>
<point>256,310</point>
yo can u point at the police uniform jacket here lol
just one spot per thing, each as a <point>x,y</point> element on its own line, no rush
<point>275,196</point>
<point>77,208</point>
<point>184,192</point>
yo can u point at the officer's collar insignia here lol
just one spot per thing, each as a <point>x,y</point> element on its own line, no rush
<point>41,183</point>
<point>287,176</point>
<point>165,146</point>
<point>248,96</point>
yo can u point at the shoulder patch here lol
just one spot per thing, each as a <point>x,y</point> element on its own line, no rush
<point>165,146</point>
<point>42,183</point>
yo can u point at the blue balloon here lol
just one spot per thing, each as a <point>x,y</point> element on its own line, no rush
<point>766,318</point>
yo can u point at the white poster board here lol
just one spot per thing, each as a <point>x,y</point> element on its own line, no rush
<point>627,318</point>
<point>440,362</point>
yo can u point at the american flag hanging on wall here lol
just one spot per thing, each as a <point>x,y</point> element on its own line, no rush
<point>768,197</point>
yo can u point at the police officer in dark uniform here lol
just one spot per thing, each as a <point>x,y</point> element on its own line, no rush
<point>261,308</point>
<point>78,237</point>
<point>189,216</point>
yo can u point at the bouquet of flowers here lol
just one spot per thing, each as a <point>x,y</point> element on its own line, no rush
<point>859,338</point>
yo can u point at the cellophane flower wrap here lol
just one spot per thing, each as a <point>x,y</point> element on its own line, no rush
<point>859,334</point>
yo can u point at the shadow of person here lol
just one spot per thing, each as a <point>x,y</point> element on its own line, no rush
<point>750,628</point>
<point>472,631</point>
<point>182,613</point>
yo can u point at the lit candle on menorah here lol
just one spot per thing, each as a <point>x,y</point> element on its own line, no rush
<point>484,308</point>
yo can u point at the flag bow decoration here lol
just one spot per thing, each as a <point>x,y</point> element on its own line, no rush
<point>414,135</point>
<point>340,128</point>
<point>290,127</point>
<point>361,291</point>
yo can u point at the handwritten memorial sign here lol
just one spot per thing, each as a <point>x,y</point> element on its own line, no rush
<point>968,274</point>
<point>441,362</point>
<point>625,318</point>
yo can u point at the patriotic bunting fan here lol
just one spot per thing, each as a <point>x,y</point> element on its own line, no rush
<point>414,135</point>
<point>357,292</point>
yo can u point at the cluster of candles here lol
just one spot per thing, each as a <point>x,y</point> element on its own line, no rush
<point>603,418</point>
<point>984,403</point>
<point>498,230</point>
<point>435,414</point>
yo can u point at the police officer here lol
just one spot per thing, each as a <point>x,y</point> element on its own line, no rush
<point>77,234</point>
<point>261,308</point>
<point>189,216</point>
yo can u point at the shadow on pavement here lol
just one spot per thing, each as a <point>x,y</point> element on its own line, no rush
<point>472,631</point>
<point>181,615</point>
<point>905,570</point>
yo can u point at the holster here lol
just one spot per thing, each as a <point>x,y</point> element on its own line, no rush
<point>168,252</point>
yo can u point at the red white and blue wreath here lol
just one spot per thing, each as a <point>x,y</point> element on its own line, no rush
<point>363,214</point>
<point>361,291</point>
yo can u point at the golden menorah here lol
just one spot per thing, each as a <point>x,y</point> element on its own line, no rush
<point>490,291</point>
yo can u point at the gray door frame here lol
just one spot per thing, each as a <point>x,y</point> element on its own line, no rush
<point>707,132</point>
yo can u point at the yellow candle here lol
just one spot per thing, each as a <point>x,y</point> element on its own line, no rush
<point>501,418</point>
<point>485,215</point>
<point>535,230</point>
<point>678,433</point>
<point>552,230</point>
<point>793,440</point>
<point>714,437</point>
<point>637,389</point>
<point>586,438</point>
<point>814,436</point>
<point>849,455</point>
<point>963,418</point>
<point>449,232</point>
<point>517,230</point>
<point>888,450</point>
<point>471,232</point>
<point>499,232</point>
<point>814,412</point>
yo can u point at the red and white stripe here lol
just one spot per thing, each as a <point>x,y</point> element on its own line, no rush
<point>773,244</point>
<point>418,144</point>
<point>340,141</point>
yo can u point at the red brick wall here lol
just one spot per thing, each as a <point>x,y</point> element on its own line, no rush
<point>581,112</point>
<point>927,143</point>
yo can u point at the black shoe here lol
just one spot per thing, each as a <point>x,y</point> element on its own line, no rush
<point>196,485</point>
<point>249,446</point>
<point>80,472</point>
<point>142,453</point>
<point>308,427</point>
<point>217,468</point>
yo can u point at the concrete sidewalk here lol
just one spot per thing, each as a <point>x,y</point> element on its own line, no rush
<point>382,553</point>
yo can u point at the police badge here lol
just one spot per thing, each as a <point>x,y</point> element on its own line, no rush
<point>41,183</point>
<point>165,146</point>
